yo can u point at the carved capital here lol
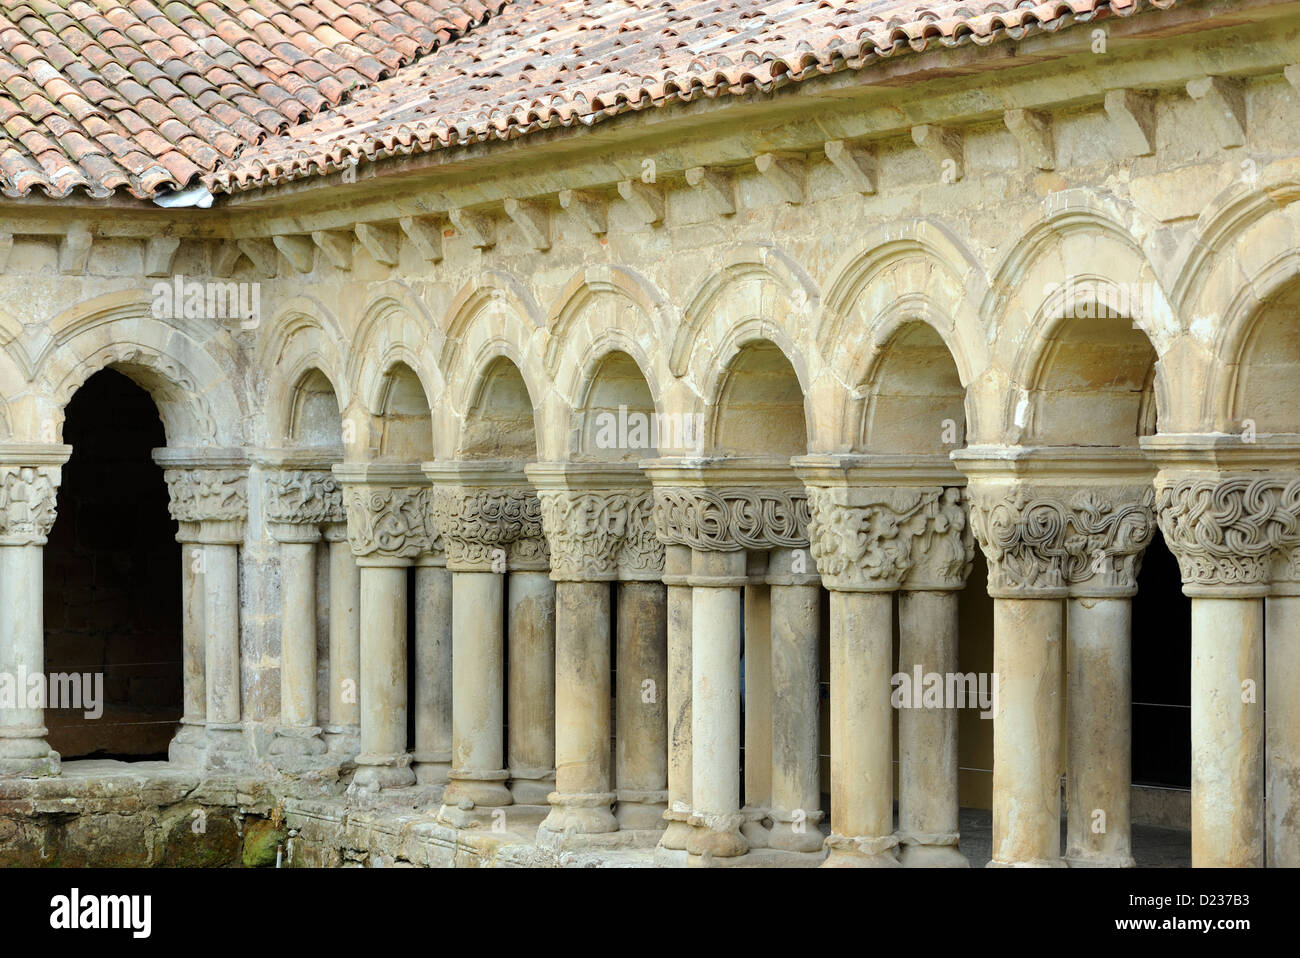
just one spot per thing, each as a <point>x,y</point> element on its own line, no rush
<point>944,550</point>
<point>210,503</point>
<point>490,530</point>
<point>388,524</point>
<point>601,534</point>
<point>27,509</point>
<point>861,538</point>
<point>1230,532</point>
<point>731,519</point>
<point>1054,540</point>
<point>303,497</point>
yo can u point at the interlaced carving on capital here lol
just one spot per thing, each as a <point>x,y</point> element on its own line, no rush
<point>1227,532</point>
<point>1062,540</point>
<point>730,520</point>
<point>207,495</point>
<point>943,552</point>
<point>867,546</point>
<point>478,525</point>
<point>304,497</point>
<point>597,535</point>
<point>389,522</point>
<point>27,510</point>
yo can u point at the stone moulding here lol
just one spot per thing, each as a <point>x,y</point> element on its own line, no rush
<point>388,515</point>
<point>303,497</point>
<point>489,516</point>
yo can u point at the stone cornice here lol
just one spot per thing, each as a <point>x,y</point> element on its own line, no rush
<point>728,505</point>
<point>388,515</point>
<point>598,520</point>
<point>489,515</point>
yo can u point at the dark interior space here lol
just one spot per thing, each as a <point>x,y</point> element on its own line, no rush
<point>1162,673</point>
<point>112,589</point>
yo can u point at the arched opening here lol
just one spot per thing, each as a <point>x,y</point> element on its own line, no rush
<point>407,427</point>
<point>617,423</point>
<point>499,423</point>
<point>915,401</point>
<point>1267,393</point>
<point>760,406</point>
<point>112,595</point>
<point>314,417</point>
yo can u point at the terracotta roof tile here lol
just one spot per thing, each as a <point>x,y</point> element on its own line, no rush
<point>147,96</point>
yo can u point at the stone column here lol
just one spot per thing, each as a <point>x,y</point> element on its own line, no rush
<point>595,518</point>
<point>298,502</point>
<point>795,805</point>
<point>1057,522</point>
<point>530,706</point>
<point>186,748</point>
<point>1282,732</point>
<point>30,480</point>
<point>721,510</point>
<point>757,700</point>
<point>431,759</point>
<point>388,528</point>
<point>860,535</point>
<point>677,567</point>
<point>490,521</point>
<point>1229,511</point>
<point>343,733</point>
<point>210,502</point>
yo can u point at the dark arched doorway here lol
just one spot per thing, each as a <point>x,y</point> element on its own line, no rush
<point>112,599</point>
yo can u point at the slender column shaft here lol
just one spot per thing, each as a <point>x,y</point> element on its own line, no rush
<point>1282,634</point>
<point>221,635</point>
<point>345,642</point>
<point>1027,732</point>
<point>384,760</point>
<point>862,781</point>
<point>927,736</point>
<point>477,705</point>
<point>717,579</point>
<point>642,753</point>
<point>677,564</point>
<point>758,693</point>
<point>194,694</point>
<point>1227,733</point>
<point>23,747</point>
<point>1099,695</point>
<point>796,786</point>
<point>531,708</point>
<point>582,798</point>
<point>432,757</point>
<point>298,634</point>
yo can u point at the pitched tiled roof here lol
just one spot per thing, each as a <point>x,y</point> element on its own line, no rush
<point>548,63</point>
<point>147,95</point>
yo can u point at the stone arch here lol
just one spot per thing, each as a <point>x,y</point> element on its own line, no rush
<point>919,274</point>
<point>1077,262</point>
<point>913,397</point>
<point>500,419</point>
<point>759,405</point>
<point>404,415</point>
<point>189,379</point>
<point>1261,384</point>
<point>615,389</point>
<point>1239,271</point>
<point>305,339</point>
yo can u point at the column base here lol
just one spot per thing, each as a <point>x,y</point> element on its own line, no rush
<point>641,810</point>
<point>470,789</point>
<point>861,852</point>
<point>579,814</point>
<point>1100,861</point>
<point>788,835</point>
<point>929,855</point>
<point>47,765</point>
<point>431,768</point>
<point>531,786</point>
<point>298,741</point>
<point>343,741</point>
<point>376,772</point>
<point>188,745</point>
<point>756,827</point>
<point>717,835</point>
<point>677,830</point>
<point>225,746</point>
<point>1030,863</point>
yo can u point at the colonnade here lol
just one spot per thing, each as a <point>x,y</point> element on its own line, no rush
<point>581,604</point>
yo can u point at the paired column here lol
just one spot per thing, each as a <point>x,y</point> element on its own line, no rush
<point>343,731</point>
<point>431,759</point>
<point>1063,530</point>
<point>388,529</point>
<point>298,503</point>
<point>597,525</point>
<point>676,580</point>
<point>27,512</point>
<point>209,499</point>
<point>1230,512</point>
<point>490,521</point>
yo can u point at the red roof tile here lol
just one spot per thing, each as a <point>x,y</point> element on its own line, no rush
<point>146,95</point>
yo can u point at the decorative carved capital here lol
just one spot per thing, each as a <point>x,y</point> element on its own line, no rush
<point>27,509</point>
<point>1228,531</point>
<point>1045,541</point>
<point>208,494</point>
<point>601,534</point>
<point>861,538</point>
<point>303,497</point>
<point>731,519</point>
<point>389,523</point>
<point>482,528</point>
<point>944,550</point>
